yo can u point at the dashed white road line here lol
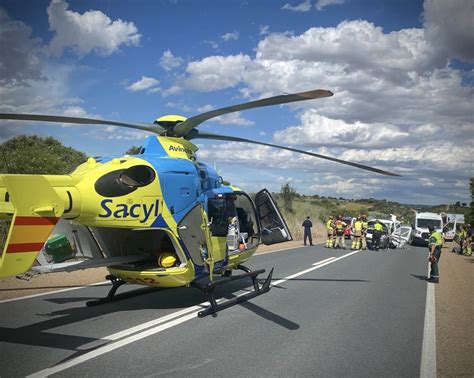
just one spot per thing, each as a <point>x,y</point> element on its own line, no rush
<point>169,321</point>
<point>317,265</point>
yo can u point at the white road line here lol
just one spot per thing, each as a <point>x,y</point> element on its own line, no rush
<point>141,327</point>
<point>53,292</point>
<point>319,265</point>
<point>428,351</point>
<point>110,347</point>
<point>166,318</point>
<point>151,331</point>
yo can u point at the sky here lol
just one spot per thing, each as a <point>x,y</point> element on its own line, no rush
<point>401,73</point>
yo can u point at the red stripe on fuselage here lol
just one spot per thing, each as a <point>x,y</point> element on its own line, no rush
<point>35,221</point>
<point>24,247</point>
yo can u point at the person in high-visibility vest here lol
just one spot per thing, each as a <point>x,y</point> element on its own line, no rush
<point>462,236</point>
<point>376,235</point>
<point>357,229</point>
<point>330,232</point>
<point>340,225</point>
<point>468,240</point>
<point>435,244</point>
<point>365,226</point>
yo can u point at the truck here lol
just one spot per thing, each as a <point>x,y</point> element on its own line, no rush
<point>421,234</point>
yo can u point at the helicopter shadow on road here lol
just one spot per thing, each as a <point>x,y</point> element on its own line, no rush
<point>41,334</point>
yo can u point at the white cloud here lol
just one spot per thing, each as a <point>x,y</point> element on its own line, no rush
<point>143,84</point>
<point>20,59</point>
<point>88,32</point>
<point>449,27</point>
<point>305,6</point>
<point>234,36</point>
<point>317,130</point>
<point>426,181</point>
<point>264,30</point>
<point>168,61</point>
<point>359,44</point>
<point>213,44</point>
<point>174,89</point>
<point>233,119</point>
<point>321,4</point>
<point>182,107</point>
<point>216,72</point>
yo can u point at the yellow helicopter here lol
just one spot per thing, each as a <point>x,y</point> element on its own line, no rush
<point>159,218</point>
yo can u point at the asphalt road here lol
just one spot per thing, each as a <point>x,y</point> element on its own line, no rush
<point>359,314</point>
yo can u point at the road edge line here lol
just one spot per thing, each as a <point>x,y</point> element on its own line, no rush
<point>428,350</point>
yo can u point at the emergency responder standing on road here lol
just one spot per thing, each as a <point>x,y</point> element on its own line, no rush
<point>377,234</point>
<point>435,244</point>
<point>307,231</point>
<point>340,225</point>
<point>330,231</point>
<point>357,233</point>
<point>365,226</point>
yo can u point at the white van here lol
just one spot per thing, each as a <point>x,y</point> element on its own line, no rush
<point>422,221</point>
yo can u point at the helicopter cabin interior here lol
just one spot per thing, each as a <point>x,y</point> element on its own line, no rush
<point>73,247</point>
<point>232,215</point>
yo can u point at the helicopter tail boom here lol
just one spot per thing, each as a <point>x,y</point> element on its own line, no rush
<point>33,208</point>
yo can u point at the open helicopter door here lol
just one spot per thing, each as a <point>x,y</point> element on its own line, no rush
<point>194,231</point>
<point>272,225</point>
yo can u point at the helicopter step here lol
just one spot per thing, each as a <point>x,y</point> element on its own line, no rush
<point>210,286</point>
<point>111,296</point>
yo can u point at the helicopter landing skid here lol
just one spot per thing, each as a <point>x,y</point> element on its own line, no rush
<point>210,287</point>
<point>111,296</point>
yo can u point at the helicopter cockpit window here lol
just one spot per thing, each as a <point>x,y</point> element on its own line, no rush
<point>137,176</point>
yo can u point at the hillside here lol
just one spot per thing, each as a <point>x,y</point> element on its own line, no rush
<point>319,208</point>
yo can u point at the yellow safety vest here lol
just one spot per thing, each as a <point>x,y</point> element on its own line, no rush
<point>358,226</point>
<point>329,225</point>
<point>437,239</point>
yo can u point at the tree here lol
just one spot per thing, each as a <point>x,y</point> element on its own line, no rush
<point>27,154</point>
<point>35,155</point>
<point>288,194</point>
<point>470,213</point>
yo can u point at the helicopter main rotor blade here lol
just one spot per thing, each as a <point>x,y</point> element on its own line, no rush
<point>196,134</point>
<point>78,120</point>
<point>185,127</point>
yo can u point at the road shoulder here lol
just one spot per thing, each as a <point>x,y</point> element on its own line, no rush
<point>454,315</point>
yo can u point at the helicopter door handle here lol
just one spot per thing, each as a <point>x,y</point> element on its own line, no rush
<point>183,227</point>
